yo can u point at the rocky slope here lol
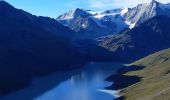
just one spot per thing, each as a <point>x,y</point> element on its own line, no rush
<point>149,37</point>
<point>94,24</point>
<point>143,12</point>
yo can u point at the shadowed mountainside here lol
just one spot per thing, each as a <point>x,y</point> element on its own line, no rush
<point>147,38</point>
<point>32,46</point>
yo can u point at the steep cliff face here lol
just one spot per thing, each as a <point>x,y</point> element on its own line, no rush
<point>143,12</point>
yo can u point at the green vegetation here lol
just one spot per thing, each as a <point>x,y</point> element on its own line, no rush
<point>155,81</point>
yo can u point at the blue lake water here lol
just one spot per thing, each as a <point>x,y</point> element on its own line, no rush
<point>87,83</point>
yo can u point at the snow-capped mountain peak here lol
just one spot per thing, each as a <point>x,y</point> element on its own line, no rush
<point>146,11</point>
<point>94,24</point>
<point>73,13</point>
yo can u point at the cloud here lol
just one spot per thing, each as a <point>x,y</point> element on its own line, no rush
<point>71,3</point>
<point>75,3</point>
<point>164,1</point>
<point>103,4</point>
<point>99,3</point>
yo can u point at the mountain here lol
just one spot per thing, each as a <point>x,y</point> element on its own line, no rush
<point>154,82</point>
<point>32,46</point>
<point>149,37</point>
<point>83,40</point>
<point>91,24</point>
<point>143,12</point>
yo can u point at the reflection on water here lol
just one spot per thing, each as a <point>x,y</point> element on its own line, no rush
<point>88,85</point>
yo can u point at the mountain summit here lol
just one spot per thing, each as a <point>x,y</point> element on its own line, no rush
<point>144,12</point>
<point>93,24</point>
<point>5,5</point>
<point>73,14</point>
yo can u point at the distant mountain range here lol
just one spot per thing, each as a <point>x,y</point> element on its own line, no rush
<point>92,25</point>
<point>143,12</point>
<point>130,33</point>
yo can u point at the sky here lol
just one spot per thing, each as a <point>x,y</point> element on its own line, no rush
<point>54,8</point>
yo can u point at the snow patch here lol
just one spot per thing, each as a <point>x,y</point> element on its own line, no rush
<point>125,10</point>
<point>100,16</point>
<point>111,92</point>
<point>93,12</point>
<point>131,25</point>
<point>84,26</point>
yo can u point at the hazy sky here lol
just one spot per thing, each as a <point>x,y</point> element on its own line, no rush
<point>53,8</point>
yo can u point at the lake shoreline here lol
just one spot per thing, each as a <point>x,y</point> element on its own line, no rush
<point>122,81</point>
<point>39,85</point>
<point>37,88</point>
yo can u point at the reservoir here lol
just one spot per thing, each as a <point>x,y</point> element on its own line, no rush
<point>87,83</point>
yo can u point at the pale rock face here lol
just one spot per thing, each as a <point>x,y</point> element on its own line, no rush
<point>144,12</point>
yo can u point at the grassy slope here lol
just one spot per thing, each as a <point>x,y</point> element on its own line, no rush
<point>155,82</point>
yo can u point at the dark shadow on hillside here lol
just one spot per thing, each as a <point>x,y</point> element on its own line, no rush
<point>130,68</point>
<point>14,80</point>
<point>120,98</point>
<point>122,81</point>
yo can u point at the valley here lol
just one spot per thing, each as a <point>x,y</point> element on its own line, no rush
<point>113,54</point>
